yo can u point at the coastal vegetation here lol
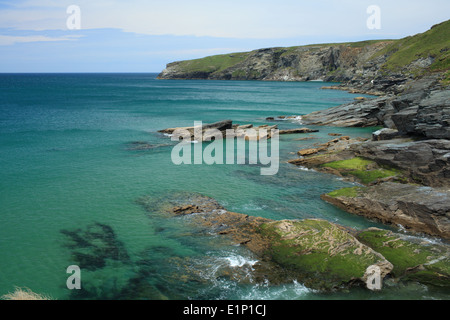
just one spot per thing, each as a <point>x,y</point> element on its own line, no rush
<point>413,56</point>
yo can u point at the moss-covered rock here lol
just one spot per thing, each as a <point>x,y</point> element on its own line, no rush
<point>366,171</point>
<point>344,192</point>
<point>413,259</point>
<point>322,254</point>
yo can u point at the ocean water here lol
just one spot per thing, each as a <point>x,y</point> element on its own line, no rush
<point>77,152</point>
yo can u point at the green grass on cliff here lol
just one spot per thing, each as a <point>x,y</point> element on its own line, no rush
<point>433,43</point>
<point>400,54</point>
<point>213,63</point>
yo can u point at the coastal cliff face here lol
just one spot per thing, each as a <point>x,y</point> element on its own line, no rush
<point>376,66</point>
<point>337,62</point>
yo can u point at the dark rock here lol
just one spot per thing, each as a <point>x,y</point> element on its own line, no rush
<point>187,209</point>
<point>143,145</point>
<point>298,130</point>
<point>422,110</point>
<point>426,162</point>
<point>416,208</point>
<point>385,134</point>
<point>221,126</point>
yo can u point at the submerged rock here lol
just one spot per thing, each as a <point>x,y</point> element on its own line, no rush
<point>95,246</point>
<point>180,203</point>
<point>97,250</point>
<point>144,145</point>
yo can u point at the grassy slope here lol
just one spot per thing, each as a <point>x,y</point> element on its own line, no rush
<point>434,42</point>
<point>213,63</point>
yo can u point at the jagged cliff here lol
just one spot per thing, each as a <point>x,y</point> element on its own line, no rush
<point>335,62</point>
<point>377,65</point>
<point>316,62</point>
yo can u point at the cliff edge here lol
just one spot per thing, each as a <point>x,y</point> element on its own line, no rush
<point>376,66</point>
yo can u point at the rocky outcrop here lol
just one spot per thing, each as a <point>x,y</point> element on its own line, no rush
<point>425,161</point>
<point>428,117</point>
<point>317,253</point>
<point>420,208</point>
<point>338,62</point>
<point>416,208</point>
<point>227,128</point>
<point>321,253</point>
<point>374,67</point>
<point>422,110</point>
<point>333,150</point>
<point>201,131</point>
<point>413,258</point>
<point>355,114</point>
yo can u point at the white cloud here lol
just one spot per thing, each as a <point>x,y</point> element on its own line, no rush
<point>255,19</point>
<point>197,52</point>
<point>10,40</point>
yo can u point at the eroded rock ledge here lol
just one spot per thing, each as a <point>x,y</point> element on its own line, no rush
<point>422,110</point>
<point>412,150</point>
<point>417,208</point>
<point>402,181</point>
<point>226,128</point>
<point>320,254</point>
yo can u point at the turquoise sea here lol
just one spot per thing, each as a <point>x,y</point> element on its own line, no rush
<point>77,152</point>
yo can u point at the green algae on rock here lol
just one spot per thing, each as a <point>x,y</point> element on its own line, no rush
<point>344,192</point>
<point>366,171</point>
<point>413,258</point>
<point>324,255</point>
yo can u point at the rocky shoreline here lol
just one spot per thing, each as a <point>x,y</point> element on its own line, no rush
<point>404,169</point>
<point>403,175</point>
<point>321,255</point>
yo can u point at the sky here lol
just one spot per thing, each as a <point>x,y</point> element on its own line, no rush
<point>143,36</point>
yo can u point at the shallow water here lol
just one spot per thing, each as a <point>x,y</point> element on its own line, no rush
<point>70,180</point>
